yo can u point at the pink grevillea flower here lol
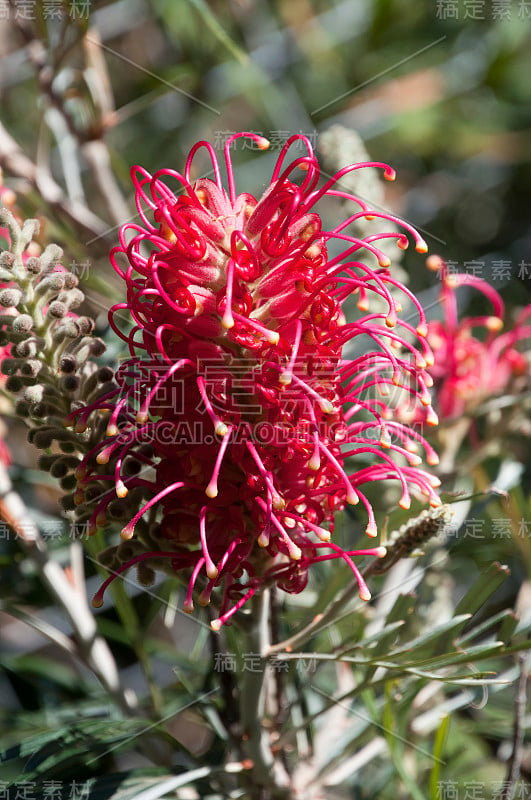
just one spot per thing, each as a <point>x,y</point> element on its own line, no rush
<point>251,428</point>
<point>468,370</point>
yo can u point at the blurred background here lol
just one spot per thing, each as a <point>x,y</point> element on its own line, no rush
<point>439,89</point>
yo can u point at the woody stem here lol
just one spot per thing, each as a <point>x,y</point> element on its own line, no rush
<point>268,777</point>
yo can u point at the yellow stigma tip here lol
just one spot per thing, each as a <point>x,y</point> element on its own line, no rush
<point>381,552</point>
<point>263,143</point>
<point>216,625</point>
<point>421,247</point>
<point>121,490</point>
<point>494,324</point>
<point>404,503</point>
<point>285,378</point>
<point>211,491</point>
<point>212,572</point>
<point>127,534</point>
<point>102,458</point>
<point>434,263</point>
<point>384,261</point>
<point>365,594</point>
<point>96,602</point>
<point>221,429</point>
<point>295,553</point>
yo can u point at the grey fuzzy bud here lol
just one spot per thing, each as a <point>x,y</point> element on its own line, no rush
<point>51,256</point>
<point>67,447</point>
<point>68,329</point>
<point>68,364</point>
<point>22,324</point>
<point>14,384</point>
<point>117,509</point>
<point>105,374</point>
<point>72,298</point>
<point>71,280</point>
<point>57,309</point>
<point>46,462</point>
<point>33,265</point>
<point>31,367</point>
<point>86,325</point>
<point>9,366</point>
<point>97,347</point>
<point>34,394</point>
<point>22,409</point>
<point>7,260</point>
<point>67,501</point>
<point>59,468</point>
<point>145,575</point>
<point>51,283</point>
<point>27,349</point>
<point>10,298</point>
<point>69,383</point>
<point>68,482</point>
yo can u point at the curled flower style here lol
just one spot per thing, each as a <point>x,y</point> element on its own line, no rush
<point>236,418</point>
<point>468,370</point>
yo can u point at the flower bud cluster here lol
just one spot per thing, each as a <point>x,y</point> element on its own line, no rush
<point>49,353</point>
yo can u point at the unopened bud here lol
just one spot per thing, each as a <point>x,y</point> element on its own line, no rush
<point>34,394</point>
<point>33,265</point>
<point>68,482</point>
<point>57,309</point>
<point>97,347</point>
<point>31,367</point>
<point>69,383</point>
<point>86,325</point>
<point>68,364</point>
<point>68,329</point>
<point>14,384</point>
<point>27,349</point>
<point>51,283</point>
<point>51,256</point>
<point>22,324</point>
<point>10,298</point>
<point>71,280</point>
<point>7,260</point>
<point>105,374</point>
<point>72,298</point>
<point>22,409</point>
<point>10,366</point>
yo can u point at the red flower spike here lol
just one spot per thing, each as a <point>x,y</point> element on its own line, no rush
<point>238,380</point>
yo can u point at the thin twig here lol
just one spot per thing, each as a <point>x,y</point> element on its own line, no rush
<point>513,769</point>
<point>14,161</point>
<point>91,648</point>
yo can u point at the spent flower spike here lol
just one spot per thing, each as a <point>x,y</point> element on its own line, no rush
<point>237,333</point>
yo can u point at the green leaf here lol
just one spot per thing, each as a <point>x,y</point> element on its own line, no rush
<point>483,588</point>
